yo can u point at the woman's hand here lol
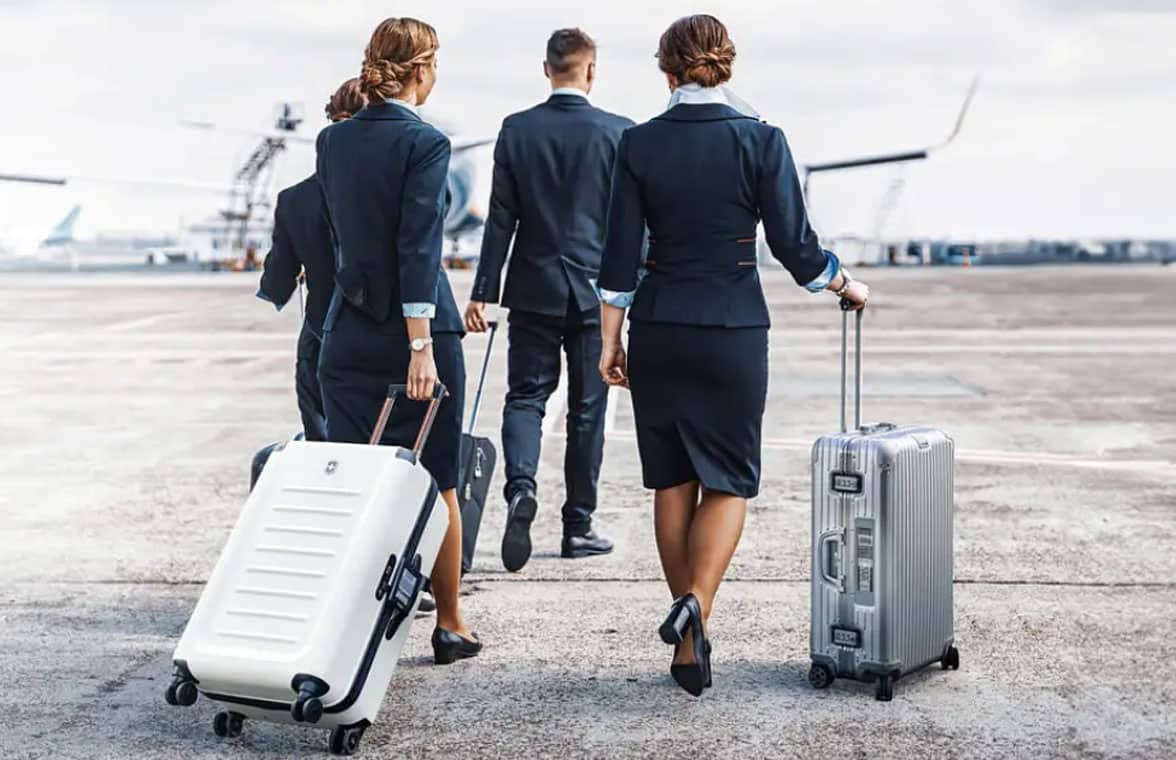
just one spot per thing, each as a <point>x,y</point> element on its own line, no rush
<point>857,294</point>
<point>614,367</point>
<point>422,375</point>
<point>475,317</point>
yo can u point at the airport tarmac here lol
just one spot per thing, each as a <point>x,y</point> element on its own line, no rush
<point>134,401</point>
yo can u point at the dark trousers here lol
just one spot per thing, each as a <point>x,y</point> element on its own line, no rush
<point>533,374</point>
<point>306,386</point>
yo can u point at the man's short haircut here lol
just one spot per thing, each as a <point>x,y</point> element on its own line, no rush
<point>566,47</point>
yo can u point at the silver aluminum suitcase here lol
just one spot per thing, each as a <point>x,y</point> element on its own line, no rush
<point>310,603</point>
<point>882,547</point>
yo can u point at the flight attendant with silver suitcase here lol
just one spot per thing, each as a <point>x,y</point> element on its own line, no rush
<point>882,572</point>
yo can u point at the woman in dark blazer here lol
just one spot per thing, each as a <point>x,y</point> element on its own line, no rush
<point>302,251</point>
<point>384,175</point>
<point>700,177</point>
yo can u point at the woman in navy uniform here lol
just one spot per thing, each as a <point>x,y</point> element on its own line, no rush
<point>700,177</point>
<point>384,174</point>
<point>302,248</point>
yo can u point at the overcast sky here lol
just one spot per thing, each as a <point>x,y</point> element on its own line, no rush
<point>1071,132</point>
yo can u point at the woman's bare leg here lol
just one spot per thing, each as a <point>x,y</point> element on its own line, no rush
<point>714,534</point>
<point>446,576</point>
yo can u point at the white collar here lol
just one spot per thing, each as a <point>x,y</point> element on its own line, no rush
<point>694,94</point>
<point>404,104</point>
<point>569,91</point>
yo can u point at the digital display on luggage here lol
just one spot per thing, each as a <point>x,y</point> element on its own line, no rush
<point>847,637</point>
<point>847,482</point>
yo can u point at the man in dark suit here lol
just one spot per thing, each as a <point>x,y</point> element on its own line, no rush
<point>552,172</point>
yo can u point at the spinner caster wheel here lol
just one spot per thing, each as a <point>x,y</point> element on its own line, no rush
<point>884,689</point>
<point>345,740</point>
<point>951,659</point>
<point>307,710</point>
<point>181,693</point>
<point>820,676</point>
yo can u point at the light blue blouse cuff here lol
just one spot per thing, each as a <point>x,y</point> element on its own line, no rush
<point>613,297</point>
<point>420,310</point>
<point>832,267</point>
<point>264,297</point>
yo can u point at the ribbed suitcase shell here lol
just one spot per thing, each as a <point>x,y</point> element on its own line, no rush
<point>294,591</point>
<point>882,558</point>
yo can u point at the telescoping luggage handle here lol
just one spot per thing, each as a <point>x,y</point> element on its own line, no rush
<point>396,390</point>
<point>482,378</point>
<point>846,307</point>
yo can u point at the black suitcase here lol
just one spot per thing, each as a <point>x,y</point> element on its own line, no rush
<point>478,457</point>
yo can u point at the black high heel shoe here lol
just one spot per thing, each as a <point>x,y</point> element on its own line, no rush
<point>686,614</point>
<point>448,647</point>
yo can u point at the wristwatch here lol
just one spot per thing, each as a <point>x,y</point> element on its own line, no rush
<point>420,344</point>
<point>840,292</point>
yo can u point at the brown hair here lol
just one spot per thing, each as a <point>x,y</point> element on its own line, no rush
<point>397,49</point>
<point>697,49</point>
<point>565,47</point>
<point>346,101</point>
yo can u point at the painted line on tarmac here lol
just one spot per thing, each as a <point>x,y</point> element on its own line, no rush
<point>987,456</point>
<point>135,324</point>
<point>504,577</point>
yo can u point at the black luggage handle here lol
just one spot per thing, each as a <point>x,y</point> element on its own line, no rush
<point>398,389</point>
<point>482,379</point>
<point>846,307</point>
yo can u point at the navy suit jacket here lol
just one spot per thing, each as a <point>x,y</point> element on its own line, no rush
<point>552,169</point>
<point>302,240</point>
<point>700,177</point>
<point>384,175</point>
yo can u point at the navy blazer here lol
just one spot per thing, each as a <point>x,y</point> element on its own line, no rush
<point>700,177</point>
<point>552,170</point>
<point>302,240</point>
<point>384,175</point>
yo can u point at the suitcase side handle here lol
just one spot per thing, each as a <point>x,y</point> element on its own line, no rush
<point>857,365</point>
<point>395,391</point>
<point>828,538</point>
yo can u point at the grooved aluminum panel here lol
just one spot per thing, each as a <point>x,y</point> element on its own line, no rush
<point>882,554</point>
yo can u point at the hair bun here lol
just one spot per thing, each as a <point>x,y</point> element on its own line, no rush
<point>381,78</point>
<point>710,68</point>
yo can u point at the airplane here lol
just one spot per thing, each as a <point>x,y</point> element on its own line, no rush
<point>243,226</point>
<point>59,241</point>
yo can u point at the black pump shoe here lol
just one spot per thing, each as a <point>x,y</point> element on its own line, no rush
<point>448,647</point>
<point>686,614</point>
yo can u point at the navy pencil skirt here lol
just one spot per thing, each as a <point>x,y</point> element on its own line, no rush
<point>360,358</point>
<point>698,401</point>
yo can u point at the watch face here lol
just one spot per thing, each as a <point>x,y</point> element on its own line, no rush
<point>417,344</point>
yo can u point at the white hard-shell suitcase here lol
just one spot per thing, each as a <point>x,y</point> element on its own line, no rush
<point>882,603</point>
<point>311,601</point>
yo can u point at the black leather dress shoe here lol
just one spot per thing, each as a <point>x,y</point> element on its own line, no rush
<point>588,545</point>
<point>448,647</point>
<point>516,539</point>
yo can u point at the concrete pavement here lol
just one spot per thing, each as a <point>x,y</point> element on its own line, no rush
<point>133,402</point>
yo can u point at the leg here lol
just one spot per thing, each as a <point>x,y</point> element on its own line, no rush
<point>532,375</point>
<point>587,403</point>
<point>673,510</point>
<point>446,576</point>
<point>714,534</point>
<point>306,386</point>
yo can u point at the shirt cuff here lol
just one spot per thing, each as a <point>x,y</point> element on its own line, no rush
<point>261,294</point>
<point>613,297</point>
<point>832,267</point>
<point>420,310</point>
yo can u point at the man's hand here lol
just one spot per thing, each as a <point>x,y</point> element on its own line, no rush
<point>475,317</point>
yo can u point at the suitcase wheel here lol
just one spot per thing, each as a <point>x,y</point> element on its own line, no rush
<point>951,659</point>
<point>345,739</point>
<point>228,724</point>
<point>820,676</point>
<point>884,689</point>
<point>181,693</point>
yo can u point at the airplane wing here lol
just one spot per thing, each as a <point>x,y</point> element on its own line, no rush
<point>465,143</point>
<point>273,134</point>
<point>899,157</point>
<point>62,180</point>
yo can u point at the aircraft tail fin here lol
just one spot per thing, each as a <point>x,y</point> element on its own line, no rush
<point>63,233</point>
